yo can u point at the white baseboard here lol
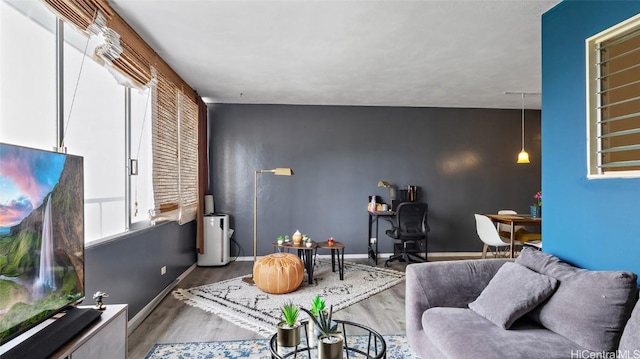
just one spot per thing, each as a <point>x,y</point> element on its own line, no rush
<point>144,313</point>
<point>386,255</point>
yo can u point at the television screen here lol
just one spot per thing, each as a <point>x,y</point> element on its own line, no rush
<point>41,236</point>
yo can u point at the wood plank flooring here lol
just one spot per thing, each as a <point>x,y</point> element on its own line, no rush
<point>173,321</point>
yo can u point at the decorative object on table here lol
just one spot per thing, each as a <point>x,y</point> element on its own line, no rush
<point>250,308</point>
<point>278,273</point>
<point>297,238</point>
<point>289,328</point>
<point>98,298</point>
<point>536,207</point>
<point>330,241</point>
<point>280,171</point>
<point>307,241</point>
<point>287,239</point>
<point>329,341</point>
<point>280,239</point>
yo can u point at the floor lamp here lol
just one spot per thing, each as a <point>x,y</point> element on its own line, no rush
<point>280,171</point>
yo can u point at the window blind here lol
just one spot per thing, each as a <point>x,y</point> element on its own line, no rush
<point>174,106</point>
<point>618,107</point>
<point>164,137</point>
<point>188,157</point>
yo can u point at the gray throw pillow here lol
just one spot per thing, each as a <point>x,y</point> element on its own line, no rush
<point>589,308</point>
<point>511,293</point>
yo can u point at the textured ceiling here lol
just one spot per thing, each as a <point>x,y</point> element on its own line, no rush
<point>378,53</point>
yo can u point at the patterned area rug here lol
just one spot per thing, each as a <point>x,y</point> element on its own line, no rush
<point>397,348</point>
<point>247,306</point>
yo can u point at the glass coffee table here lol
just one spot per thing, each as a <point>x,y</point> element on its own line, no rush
<point>359,342</point>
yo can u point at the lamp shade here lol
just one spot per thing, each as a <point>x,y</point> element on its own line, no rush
<point>523,157</point>
<point>384,184</point>
<point>283,171</point>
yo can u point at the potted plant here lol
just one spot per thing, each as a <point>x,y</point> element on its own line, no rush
<point>288,329</point>
<point>536,207</point>
<point>307,241</point>
<point>280,240</point>
<point>330,341</point>
<point>317,305</point>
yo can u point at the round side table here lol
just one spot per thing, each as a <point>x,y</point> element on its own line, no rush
<point>337,250</point>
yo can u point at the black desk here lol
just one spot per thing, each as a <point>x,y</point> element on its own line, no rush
<point>373,218</point>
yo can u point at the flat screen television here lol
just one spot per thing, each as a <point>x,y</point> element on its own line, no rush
<point>41,236</point>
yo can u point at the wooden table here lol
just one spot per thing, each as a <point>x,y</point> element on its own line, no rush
<point>305,253</point>
<point>514,220</point>
<point>337,250</point>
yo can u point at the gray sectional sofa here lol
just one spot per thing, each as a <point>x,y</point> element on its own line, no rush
<point>534,307</point>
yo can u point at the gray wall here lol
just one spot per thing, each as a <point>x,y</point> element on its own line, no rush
<point>128,268</point>
<point>463,160</point>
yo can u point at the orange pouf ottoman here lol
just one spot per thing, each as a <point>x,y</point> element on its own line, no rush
<point>278,273</point>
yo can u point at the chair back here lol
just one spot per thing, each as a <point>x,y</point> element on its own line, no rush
<point>487,231</point>
<point>505,227</point>
<point>411,220</point>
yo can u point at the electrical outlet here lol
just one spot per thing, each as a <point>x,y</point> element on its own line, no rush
<point>163,270</point>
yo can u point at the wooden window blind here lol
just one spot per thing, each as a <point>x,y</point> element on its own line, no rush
<point>174,106</point>
<point>164,136</point>
<point>614,101</point>
<point>188,157</point>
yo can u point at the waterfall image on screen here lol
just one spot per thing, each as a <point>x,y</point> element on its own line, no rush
<point>46,278</point>
<point>41,236</point>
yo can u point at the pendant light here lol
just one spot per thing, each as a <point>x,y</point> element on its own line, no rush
<point>523,156</point>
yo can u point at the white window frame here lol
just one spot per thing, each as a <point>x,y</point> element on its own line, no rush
<point>593,101</point>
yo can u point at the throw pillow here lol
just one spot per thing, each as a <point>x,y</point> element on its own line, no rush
<point>589,307</point>
<point>511,293</point>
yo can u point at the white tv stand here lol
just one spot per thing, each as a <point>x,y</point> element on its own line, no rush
<point>106,338</point>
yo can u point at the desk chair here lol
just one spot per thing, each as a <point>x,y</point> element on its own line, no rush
<point>410,226</point>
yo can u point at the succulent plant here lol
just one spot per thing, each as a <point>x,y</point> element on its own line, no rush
<point>323,321</point>
<point>290,313</point>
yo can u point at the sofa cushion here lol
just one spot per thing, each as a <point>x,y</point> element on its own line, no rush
<point>588,307</point>
<point>630,341</point>
<point>511,293</point>
<point>461,333</point>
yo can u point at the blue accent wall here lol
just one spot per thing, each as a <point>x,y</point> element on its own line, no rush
<point>594,224</point>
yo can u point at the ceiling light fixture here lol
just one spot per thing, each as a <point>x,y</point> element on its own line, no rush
<point>523,156</point>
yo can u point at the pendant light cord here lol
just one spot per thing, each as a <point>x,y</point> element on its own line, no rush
<point>523,121</point>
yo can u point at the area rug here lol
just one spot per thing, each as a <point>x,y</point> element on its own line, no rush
<point>247,306</point>
<point>397,348</point>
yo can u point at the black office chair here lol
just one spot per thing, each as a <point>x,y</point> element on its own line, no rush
<point>410,227</point>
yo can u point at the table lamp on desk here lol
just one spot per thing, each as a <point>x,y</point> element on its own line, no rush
<point>392,191</point>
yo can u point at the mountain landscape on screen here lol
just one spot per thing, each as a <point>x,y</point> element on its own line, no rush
<point>41,235</point>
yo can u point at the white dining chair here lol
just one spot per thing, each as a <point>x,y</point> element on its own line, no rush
<point>488,234</point>
<point>521,234</point>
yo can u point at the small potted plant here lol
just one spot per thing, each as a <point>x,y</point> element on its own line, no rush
<point>307,241</point>
<point>317,305</point>
<point>288,329</point>
<point>330,339</point>
<point>536,207</point>
<point>280,240</point>
<point>287,239</point>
